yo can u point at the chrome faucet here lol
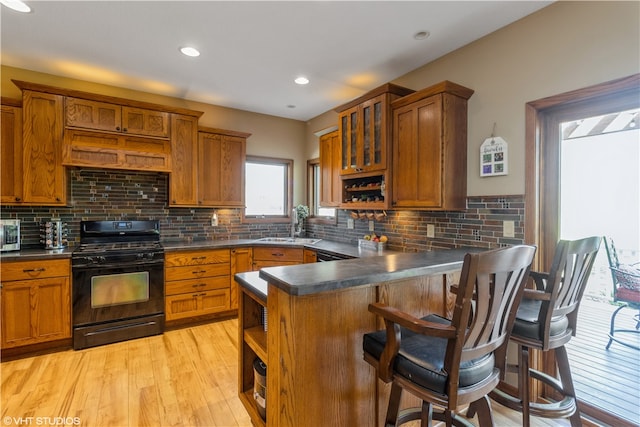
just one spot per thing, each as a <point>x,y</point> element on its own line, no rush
<point>294,222</point>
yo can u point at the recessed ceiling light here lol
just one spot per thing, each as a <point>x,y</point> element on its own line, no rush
<point>302,80</point>
<point>190,51</point>
<point>291,106</point>
<point>421,35</point>
<point>16,5</point>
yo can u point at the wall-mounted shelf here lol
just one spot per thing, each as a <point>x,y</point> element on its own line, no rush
<point>364,193</point>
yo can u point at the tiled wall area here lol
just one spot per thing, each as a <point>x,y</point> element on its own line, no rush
<point>115,195</point>
<point>479,225</point>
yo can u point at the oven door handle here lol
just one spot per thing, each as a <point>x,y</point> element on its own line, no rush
<point>150,263</point>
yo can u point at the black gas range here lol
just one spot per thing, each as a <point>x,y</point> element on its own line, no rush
<point>118,282</point>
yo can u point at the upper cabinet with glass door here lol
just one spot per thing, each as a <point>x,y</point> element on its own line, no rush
<point>365,130</point>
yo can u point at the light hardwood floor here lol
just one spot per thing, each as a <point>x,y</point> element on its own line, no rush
<point>186,377</point>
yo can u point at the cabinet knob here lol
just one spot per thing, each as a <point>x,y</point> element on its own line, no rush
<point>57,199</point>
<point>18,199</point>
<point>118,128</point>
<point>124,129</point>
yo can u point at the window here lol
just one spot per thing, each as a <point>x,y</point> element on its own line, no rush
<point>268,189</point>
<point>318,213</point>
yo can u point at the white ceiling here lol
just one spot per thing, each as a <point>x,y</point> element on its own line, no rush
<point>251,50</point>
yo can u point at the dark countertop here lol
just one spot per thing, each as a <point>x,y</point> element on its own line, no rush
<point>345,249</point>
<point>306,279</point>
<point>36,254</point>
<point>256,286</point>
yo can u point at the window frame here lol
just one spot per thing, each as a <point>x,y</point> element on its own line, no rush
<point>311,199</point>
<point>261,219</point>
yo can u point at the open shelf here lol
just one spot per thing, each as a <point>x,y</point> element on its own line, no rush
<point>256,339</point>
<point>253,343</point>
<point>250,405</point>
<point>364,193</point>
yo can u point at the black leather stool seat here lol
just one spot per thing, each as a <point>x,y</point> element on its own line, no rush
<point>527,325</point>
<point>423,363</point>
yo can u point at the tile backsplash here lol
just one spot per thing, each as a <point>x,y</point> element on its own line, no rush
<point>115,195</point>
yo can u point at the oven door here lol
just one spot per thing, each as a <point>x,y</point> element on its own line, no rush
<point>107,293</point>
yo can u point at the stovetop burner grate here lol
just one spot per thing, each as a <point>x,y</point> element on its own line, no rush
<point>118,247</point>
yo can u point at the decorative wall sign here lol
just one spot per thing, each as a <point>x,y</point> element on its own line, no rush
<point>494,157</point>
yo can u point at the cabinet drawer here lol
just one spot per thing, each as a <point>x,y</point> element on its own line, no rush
<point>195,285</point>
<point>278,254</point>
<point>24,270</point>
<point>197,271</point>
<point>196,304</point>
<point>258,265</point>
<point>176,259</point>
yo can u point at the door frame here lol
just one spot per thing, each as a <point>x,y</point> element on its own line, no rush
<point>542,174</point>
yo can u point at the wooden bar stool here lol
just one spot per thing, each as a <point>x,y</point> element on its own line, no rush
<point>452,362</point>
<point>546,320</point>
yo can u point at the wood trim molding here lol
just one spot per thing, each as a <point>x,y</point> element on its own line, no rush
<point>224,132</point>
<point>103,98</point>
<point>542,181</point>
<point>538,117</point>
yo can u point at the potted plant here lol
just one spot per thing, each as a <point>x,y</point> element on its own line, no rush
<point>301,212</point>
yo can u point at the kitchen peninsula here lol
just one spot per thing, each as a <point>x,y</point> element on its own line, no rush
<point>312,340</point>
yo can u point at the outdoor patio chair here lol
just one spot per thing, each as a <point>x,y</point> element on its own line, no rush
<point>626,290</point>
<point>546,320</point>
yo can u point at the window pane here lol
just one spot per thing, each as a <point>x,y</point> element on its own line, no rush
<point>265,189</point>
<point>317,209</point>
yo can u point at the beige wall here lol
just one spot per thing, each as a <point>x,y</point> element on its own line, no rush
<point>565,46</point>
<point>270,136</point>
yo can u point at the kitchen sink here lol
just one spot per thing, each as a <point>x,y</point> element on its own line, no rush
<point>290,240</point>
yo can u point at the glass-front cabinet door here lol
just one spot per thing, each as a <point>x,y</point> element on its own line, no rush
<point>349,139</point>
<point>363,139</point>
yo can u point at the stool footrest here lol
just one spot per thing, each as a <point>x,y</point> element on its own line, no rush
<point>413,414</point>
<point>561,409</point>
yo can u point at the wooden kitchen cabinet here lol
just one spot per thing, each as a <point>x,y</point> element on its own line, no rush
<point>209,172</point>
<point>45,178</point>
<point>103,116</point>
<point>430,148</point>
<point>364,128</point>
<point>197,283</point>
<point>114,136</point>
<point>36,302</point>
<point>11,152</point>
<point>330,182</point>
<point>310,256</point>
<point>221,159</point>
<point>183,186</point>
<point>74,128</point>
<point>274,256</point>
<point>241,262</point>
<point>116,151</point>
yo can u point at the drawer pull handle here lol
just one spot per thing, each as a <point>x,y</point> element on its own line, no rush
<point>277,254</point>
<point>34,270</point>
<point>197,258</point>
<point>199,271</point>
<point>199,285</point>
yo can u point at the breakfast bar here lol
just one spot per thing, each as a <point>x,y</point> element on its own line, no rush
<point>316,315</point>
